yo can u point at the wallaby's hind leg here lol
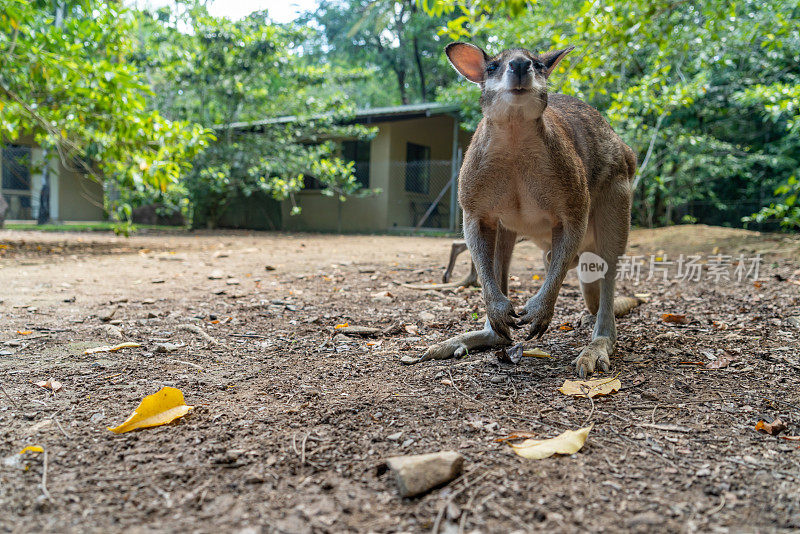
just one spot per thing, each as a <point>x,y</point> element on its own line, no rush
<point>610,227</point>
<point>455,250</point>
<point>461,344</point>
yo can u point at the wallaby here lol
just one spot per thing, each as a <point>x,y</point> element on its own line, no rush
<point>547,167</point>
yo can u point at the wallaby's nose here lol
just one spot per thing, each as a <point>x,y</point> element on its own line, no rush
<point>519,67</point>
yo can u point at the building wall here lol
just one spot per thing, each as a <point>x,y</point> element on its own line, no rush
<point>394,207</point>
<point>73,197</point>
<point>405,208</point>
<point>368,214</point>
<point>80,198</point>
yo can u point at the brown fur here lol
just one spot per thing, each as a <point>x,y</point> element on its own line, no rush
<point>547,167</point>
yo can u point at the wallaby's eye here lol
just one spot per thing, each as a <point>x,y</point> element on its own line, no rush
<point>538,65</point>
<point>492,66</point>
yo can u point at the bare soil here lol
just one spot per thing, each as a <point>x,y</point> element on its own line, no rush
<point>292,421</point>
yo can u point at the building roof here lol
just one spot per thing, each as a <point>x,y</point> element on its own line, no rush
<point>363,116</point>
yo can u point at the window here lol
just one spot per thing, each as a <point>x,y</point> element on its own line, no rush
<point>16,168</point>
<point>418,168</point>
<point>358,152</point>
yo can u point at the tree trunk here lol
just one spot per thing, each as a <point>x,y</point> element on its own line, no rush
<point>44,195</point>
<point>401,84</point>
<point>422,90</point>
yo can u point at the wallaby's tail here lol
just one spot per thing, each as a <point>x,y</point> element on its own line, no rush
<point>623,305</point>
<point>469,281</point>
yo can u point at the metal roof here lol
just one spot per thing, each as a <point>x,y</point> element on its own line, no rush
<point>363,116</point>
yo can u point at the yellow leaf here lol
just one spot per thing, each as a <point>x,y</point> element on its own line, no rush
<point>14,24</point>
<point>569,442</point>
<point>32,448</point>
<point>113,348</point>
<point>590,388</point>
<point>343,325</point>
<point>535,353</point>
<point>24,332</point>
<point>157,409</point>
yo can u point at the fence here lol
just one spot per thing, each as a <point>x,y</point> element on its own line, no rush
<point>423,197</point>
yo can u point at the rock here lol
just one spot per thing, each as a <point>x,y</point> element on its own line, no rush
<point>793,321</point>
<point>111,330</point>
<point>216,274</point>
<point>232,282</point>
<point>426,316</point>
<point>394,437</point>
<point>420,473</point>
<point>109,314</point>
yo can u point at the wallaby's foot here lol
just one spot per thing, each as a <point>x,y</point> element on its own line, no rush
<point>502,317</point>
<point>595,355</point>
<point>460,345</point>
<point>538,316</point>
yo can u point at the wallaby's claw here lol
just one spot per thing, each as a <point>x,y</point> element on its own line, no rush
<point>593,356</point>
<point>502,318</point>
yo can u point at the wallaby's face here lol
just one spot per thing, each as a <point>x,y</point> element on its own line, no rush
<point>514,82</point>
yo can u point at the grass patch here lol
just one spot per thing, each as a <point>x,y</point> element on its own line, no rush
<point>103,226</point>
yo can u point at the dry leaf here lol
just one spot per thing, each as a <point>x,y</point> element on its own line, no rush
<point>32,448</point>
<point>411,329</point>
<point>773,429</point>
<point>721,362</point>
<point>791,438</point>
<point>50,384</point>
<point>24,332</point>
<point>590,388</point>
<point>511,355</point>
<point>343,325</point>
<point>535,353</point>
<point>568,442</point>
<point>674,318</point>
<point>566,327</point>
<point>516,435</point>
<point>157,409</point>
<point>112,348</point>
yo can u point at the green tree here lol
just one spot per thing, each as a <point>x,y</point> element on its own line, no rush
<point>224,74</point>
<point>65,80</point>
<point>673,79</point>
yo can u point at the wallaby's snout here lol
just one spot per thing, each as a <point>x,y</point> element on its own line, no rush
<point>519,71</point>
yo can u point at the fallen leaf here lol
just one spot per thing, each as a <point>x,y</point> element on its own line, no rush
<point>112,348</point>
<point>157,409</point>
<point>590,388</point>
<point>343,325</point>
<point>50,384</point>
<point>566,327</point>
<point>773,429</point>
<point>791,438</point>
<point>721,362</point>
<point>674,318</point>
<point>535,353</point>
<point>512,355</point>
<point>516,435</point>
<point>568,442</point>
<point>24,332</point>
<point>32,448</point>
<point>411,329</point>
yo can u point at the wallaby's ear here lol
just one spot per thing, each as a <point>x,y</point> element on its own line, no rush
<point>468,59</point>
<point>554,57</point>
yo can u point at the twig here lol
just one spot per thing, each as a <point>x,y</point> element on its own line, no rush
<point>440,514</point>
<point>9,396</point>
<point>591,412</point>
<point>453,383</point>
<point>60,427</point>
<point>718,507</point>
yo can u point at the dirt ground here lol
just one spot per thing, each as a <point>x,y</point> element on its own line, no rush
<point>292,421</point>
